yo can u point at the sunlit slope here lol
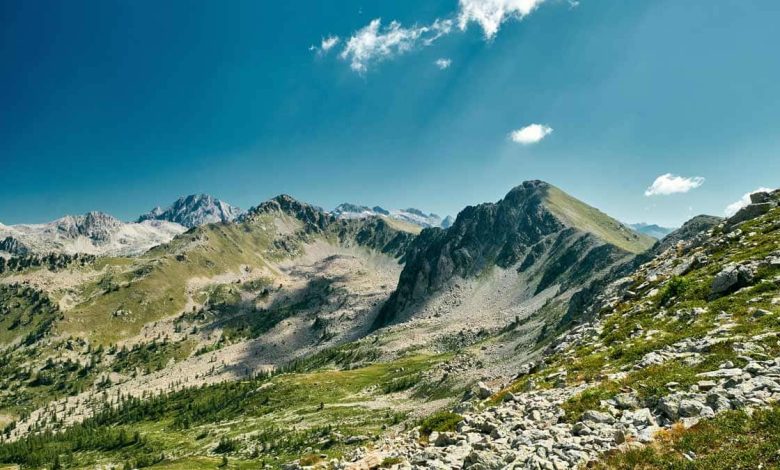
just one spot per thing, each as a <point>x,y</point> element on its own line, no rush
<point>579,215</point>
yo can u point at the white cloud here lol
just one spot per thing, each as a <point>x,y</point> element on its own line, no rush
<point>326,45</point>
<point>443,63</point>
<point>329,43</point>
<point>374,43</point>
<point>530,134</point>
<point>735,206</point>
<point>490,14</point>
<point>668,184</point>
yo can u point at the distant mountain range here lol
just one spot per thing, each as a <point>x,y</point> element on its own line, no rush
<point>98,233</point>
<point>411,215</point>
<point>92,233</point>
<point>655,231</point>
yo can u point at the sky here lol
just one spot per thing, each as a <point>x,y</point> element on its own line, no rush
<point>652,111</point>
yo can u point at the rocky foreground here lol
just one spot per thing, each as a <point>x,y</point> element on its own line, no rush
<point>528,430</point>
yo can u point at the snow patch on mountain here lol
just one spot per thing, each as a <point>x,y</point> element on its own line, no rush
<point>411,215</point>
<point>194,210</point>
<point>93,233</point>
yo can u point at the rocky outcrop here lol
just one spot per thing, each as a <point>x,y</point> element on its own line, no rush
<point>696,227</point>
<point>732,277</point>
<point>13,246</point>
<point>760,203</point>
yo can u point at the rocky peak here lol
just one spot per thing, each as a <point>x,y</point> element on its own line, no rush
<point>313,217</point>
<point>533,222</point>
<point>194,210</point>
<point>94,225</point>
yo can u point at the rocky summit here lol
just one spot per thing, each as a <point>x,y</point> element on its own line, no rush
<point>194,210</point>
<point>535,332</point>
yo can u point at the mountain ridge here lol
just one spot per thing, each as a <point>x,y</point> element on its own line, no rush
<point>194,210</point>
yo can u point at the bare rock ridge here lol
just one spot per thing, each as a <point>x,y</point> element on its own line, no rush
<point>536,229</point>
<point>372,232</point>
<point>696,226</point>
<point>194,210</point>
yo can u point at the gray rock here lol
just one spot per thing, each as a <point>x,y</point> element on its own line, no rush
<point>483,391</point>
<point>597,417</point>
<point>626,401</point>
<point>721,373</point>
<point>731,278</point>
<point>751,212</point>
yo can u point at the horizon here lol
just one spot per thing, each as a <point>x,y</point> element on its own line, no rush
<point>651,113</point>
<point>134,218</point>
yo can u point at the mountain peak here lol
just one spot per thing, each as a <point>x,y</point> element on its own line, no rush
<point>313,217</point>
<point>193,210</point>
<point>536,230</point>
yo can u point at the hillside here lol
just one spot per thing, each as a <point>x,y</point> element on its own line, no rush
<point>683,354</point>
<point>535,332</point>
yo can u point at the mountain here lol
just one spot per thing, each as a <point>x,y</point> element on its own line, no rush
<point>680,368</point>
<point>536,238</point>
<point>292,338</point>
<point>194,210</point>
<point>411,215</point>
<point>92,233</point>
<point>653,230</point>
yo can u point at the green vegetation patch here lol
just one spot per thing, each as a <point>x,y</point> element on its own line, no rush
<point>731,440</point>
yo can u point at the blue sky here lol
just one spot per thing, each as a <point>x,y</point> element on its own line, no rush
<point>120,106</point>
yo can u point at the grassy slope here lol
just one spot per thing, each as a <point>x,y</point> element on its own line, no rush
<point>590,219</point>
<point>156,286</point>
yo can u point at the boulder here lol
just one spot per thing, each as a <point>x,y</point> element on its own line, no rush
<point>597,417</point>
<point>751,212</point>
<point>731,278</point>
<point>483,391</point>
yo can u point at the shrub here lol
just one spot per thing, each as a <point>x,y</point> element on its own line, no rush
<point>441,421</point>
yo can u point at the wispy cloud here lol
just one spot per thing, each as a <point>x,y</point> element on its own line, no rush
<point>490,14</point>
<point>735,206</point>
<point>668,183</point>
<point>375,43</point>
<point>530,134</point>
<point>443,63</point>
<point>326,45</point>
